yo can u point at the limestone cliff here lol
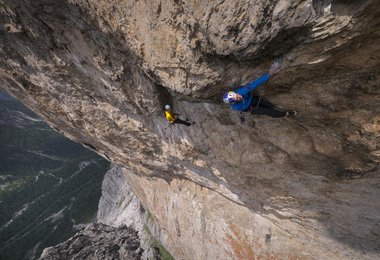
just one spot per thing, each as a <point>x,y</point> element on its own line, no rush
<point>303,187</point>
<point>97,241</point>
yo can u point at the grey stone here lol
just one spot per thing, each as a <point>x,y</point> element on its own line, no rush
<point>101,72</point>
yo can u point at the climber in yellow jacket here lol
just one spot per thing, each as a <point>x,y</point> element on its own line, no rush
<point>171,117</point>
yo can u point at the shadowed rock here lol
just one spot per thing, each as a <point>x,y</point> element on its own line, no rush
<point>97,241</point>
<point>101,73</point>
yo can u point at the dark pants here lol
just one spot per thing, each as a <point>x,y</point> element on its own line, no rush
<point>179,121</point>
<point>261,106</point>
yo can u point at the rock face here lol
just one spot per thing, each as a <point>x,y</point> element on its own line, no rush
<point>119,206</point>
<point>97,241</point>
<point>303,187</point>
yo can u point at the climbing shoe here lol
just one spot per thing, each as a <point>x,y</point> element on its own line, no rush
<point>291,113</point>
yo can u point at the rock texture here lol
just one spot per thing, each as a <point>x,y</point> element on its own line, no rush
<point>119,206</point>
<point>97,241</point>
<point>101,72</point>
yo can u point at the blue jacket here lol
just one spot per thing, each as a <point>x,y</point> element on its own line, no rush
<point>245,92</point>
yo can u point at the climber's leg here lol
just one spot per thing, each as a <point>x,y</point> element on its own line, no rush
<point>266,103</point>
<point>262,110</point>
<point>179,121</point>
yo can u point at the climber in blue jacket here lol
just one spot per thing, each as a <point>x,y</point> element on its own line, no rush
<point>243,99</point>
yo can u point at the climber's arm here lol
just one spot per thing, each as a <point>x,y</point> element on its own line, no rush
<point>254,84</point>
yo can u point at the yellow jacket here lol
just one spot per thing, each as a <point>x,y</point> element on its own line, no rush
<point>169,116</point>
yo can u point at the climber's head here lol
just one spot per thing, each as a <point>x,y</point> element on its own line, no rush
<point>232,97</point>
<point>167,107</point>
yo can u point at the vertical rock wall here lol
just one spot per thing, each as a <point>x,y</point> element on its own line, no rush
<point>100,72</point>
<point>196,223</point>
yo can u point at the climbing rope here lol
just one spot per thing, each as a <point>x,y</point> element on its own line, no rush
<point>258,102</point>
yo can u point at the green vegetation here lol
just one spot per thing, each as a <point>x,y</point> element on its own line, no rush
<point>164,254</point>
<point>43,190</point>
<point>12,185</point>
<point>161,250</point>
